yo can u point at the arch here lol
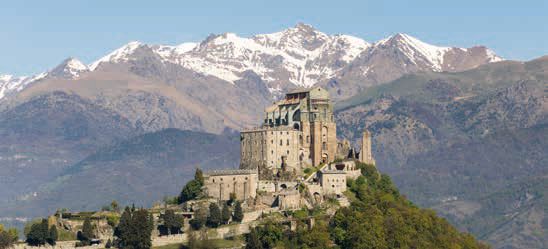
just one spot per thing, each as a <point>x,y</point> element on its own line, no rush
<point>317,197</point>
<point>283,186</point>
<point>296,126</point>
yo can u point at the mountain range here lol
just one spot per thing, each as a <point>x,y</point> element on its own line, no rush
<point>460,130</point>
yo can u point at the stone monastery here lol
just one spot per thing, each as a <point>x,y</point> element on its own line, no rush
<point>294,154</point>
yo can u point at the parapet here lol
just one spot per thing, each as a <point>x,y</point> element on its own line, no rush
<point>230,172</point>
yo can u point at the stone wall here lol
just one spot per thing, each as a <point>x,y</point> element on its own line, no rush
<point>220,184</point>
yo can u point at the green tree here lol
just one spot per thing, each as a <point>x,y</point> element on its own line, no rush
<point>114,206</point>
<point>38,233</point>
<point>225,214</point>
<point>200,218</point>
<point>190,191</point>
<point>143,229</point>
<point>52,235</point>
<point>270,234</point>
<point>87,230</point>
<point>238,213</point>
<point>214,218</point>
<point>252,240</point>
<point>172,221</point>
<point>199,176</point>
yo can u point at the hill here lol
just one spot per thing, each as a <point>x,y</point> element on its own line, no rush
<point>138,170</point>
<point>457,137</point>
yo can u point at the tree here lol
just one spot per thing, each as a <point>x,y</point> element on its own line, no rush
<point>87,231</point>
<point>252,241</point>
<point>134,229</point>
<point>191,190</point>
<point>114,206</point>
<point>214,218</point>
<point>172,221</point>
<point>7,237</point>
<point>199,176</point>
<point>38,233</point>
<point>238,213</point>
<point>225,214</point>
<point>200,218</point>
<point>52,235</point>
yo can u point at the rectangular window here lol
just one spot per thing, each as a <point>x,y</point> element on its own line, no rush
<point>287,142</point>
<point>281,142</point>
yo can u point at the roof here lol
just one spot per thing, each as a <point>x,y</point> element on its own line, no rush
<point>299,90</point>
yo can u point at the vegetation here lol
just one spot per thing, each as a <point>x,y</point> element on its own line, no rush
<point>378,217</point>
<point>7,237</point>
<point>40,234</point>
<point>172,223</point>
<point>193,188</point>
<point>225,214</point>
<point>134,229</point>
<point>238,215</point>
<point>214,218</point>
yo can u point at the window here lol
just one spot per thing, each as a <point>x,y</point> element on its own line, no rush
<point>272,152</point>
<point>288,152</point>
<point>272,141</point>
<point>288,142</point>
<point>287,133</point>
<point>281,142</point>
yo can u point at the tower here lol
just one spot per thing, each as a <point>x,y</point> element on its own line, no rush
<point>365,154</point>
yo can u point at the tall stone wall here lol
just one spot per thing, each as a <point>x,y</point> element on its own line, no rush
<point>221,184</point>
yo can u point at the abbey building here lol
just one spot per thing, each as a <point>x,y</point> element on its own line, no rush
<point>296,145</point>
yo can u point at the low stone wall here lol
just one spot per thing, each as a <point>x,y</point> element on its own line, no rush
<point>59,245</point>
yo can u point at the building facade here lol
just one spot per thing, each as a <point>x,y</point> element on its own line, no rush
<point>297,131</point>
<point>220,184</point>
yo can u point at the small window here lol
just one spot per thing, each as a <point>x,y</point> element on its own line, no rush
<point>272,152</point>
<point>287,133</point>
<point>288,142</point>
<point>213,180</point>
<point>272,141</point>
<point>288,152</point>
<point>281,142</point>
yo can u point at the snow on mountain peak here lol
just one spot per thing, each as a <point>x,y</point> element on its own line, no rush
<point>416,49</point>
<point>69,68</point>
<point>117,55</point>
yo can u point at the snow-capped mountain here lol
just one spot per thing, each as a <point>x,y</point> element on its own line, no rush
<point>70,68</point>
<point>297,56</point>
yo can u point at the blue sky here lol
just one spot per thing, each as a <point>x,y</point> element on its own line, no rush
<point>37,35</point>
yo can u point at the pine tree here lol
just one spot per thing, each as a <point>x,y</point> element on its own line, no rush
<point>199,176</point>
<point>238,213</point>
<point>143,229</point>
<point>214,218</point>
<point>122,231</point>
<point>87,230</point>
<point>225,214</point>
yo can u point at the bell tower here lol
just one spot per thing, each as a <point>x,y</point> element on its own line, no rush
<point>365,154</point>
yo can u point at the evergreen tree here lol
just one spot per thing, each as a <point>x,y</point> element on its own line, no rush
<point>122,231</point>
<point>199,176</point>
<point>252,241</point>
<point>225,214</point>
<point>200,218</point>
<point>172,221</point>
<point>214,218</point>
<point>87,230</point>
<point>7,238</point>
<point>143,229</point>
<point>238,213</point>
<point>52,238</point>
<point>38,233</point>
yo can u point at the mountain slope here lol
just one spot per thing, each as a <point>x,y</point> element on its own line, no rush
<point>139,170</point>
<point>43,136</point>
<point>453,138</point>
